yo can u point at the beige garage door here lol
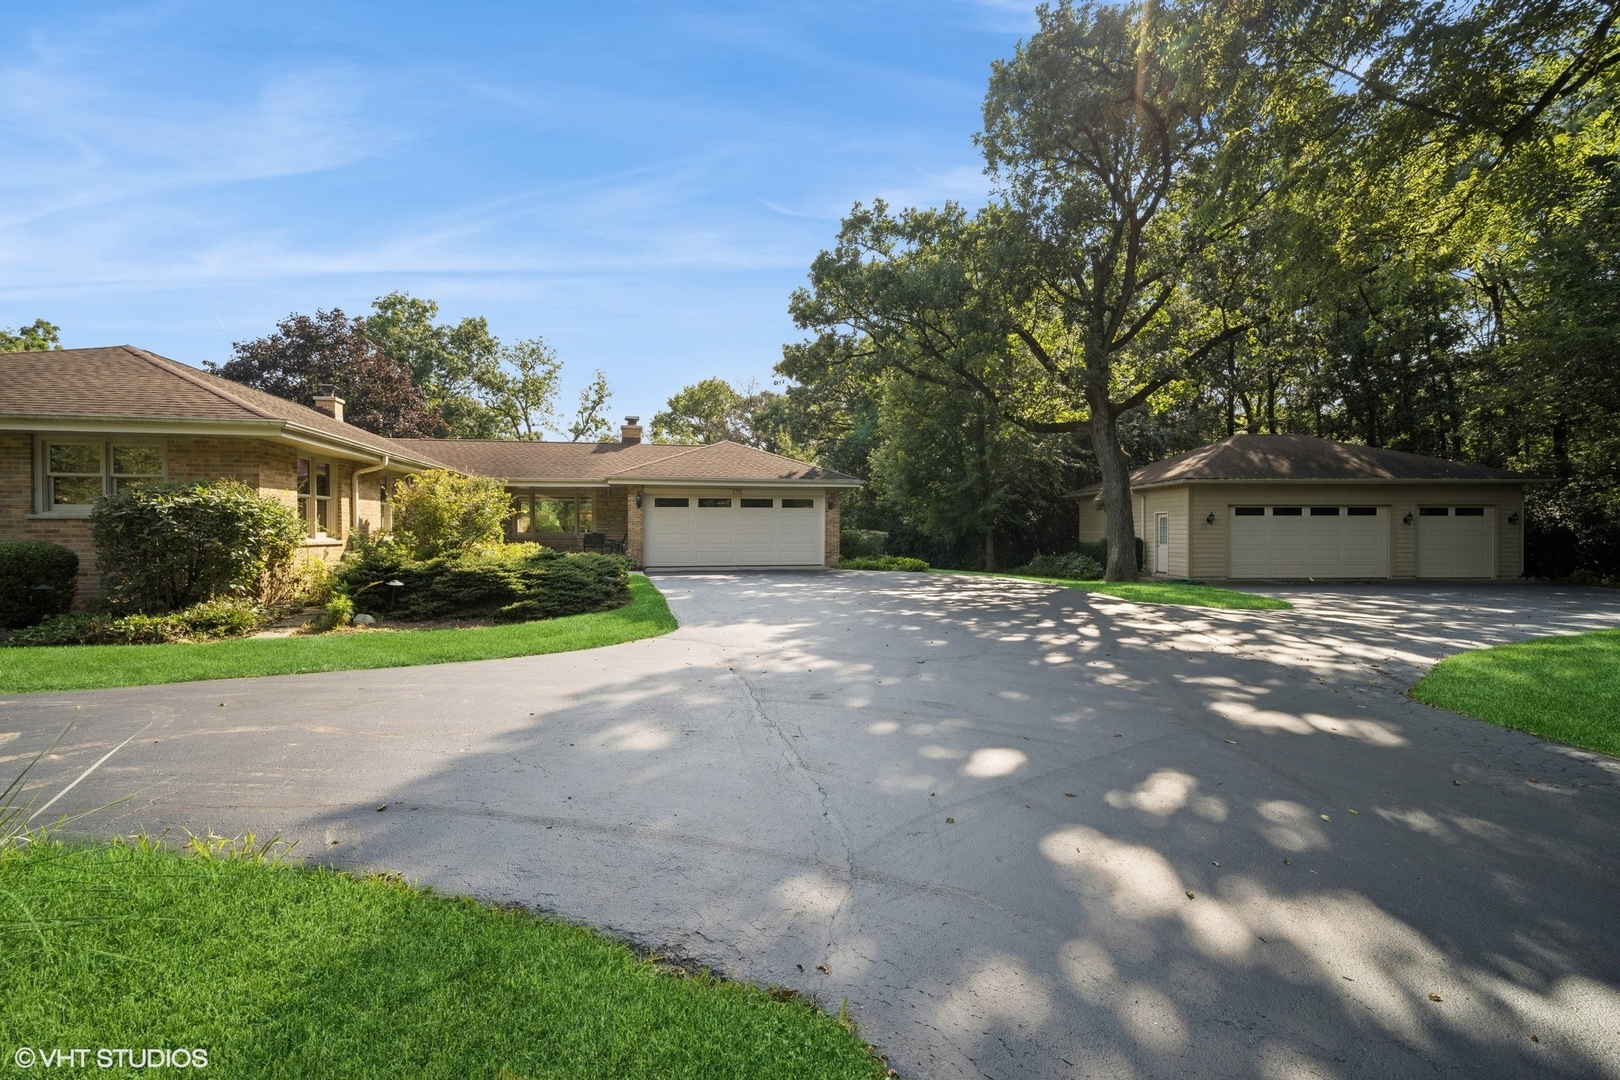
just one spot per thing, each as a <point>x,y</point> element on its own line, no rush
<point>725,528</point>
<point>1456,542</point>
<point>1303,541</point>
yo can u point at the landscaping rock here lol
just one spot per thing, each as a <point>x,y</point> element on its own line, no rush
<point>363,619</point>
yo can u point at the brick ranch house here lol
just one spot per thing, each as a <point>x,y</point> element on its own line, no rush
<point>76,424</point>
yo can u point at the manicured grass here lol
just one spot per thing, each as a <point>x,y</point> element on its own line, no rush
<point>1563,688</point>
<point>1158,592</point>
<point>281,971</point>
<point>88,667</point>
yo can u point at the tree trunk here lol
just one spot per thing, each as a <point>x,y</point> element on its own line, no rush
<point>1120,522</point>
<point>990,548</point>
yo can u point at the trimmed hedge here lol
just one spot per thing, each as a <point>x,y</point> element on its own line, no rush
<point>862,543</point>
<point>25,564</point>
<point>207,621</point>
<point>883,562</point>
<point>511,581</point>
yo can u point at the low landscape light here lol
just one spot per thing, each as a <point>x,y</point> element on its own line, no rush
<point>393,592</point>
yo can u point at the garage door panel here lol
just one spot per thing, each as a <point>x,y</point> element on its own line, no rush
<point>1456,542</point>
<point>1302,541</point>
<point>722,528</point>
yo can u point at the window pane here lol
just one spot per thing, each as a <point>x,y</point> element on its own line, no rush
<point>303,476</point>
<point>672,502</point>
<point>1287,511</point>
<point>303,508</point>
<point>1363,511</point>
<point>765,504</point>
<point>522,520</point>
<point>137,461</point>
<point>320,514</point>
<point>548,514</point>
<point>124,483</point>
<point>75,491</point>
<point>798,504</point>
<point>1249,511</point>
<point>323,479</point>
<point>1470,511</point>
<point>1432,511</point>
<point>76,458</point>
<point>1324,511</point>
<point>587,514</point>
<point>714,502</point>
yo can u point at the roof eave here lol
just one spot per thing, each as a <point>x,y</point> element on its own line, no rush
<point>733,481</point>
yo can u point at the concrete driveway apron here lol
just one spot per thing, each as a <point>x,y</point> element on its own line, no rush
<point>1026,832</point>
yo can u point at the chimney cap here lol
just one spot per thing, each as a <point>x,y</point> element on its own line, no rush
<point>632,419</point>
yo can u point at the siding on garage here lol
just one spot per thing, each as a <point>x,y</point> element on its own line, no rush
<point>1209,556</point>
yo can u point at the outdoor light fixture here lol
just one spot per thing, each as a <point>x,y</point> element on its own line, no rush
<point>1210,520</point>
<point>638,500</point>
<point>1513,518</point>
<point>1407,520</point>
<point>393,592</point>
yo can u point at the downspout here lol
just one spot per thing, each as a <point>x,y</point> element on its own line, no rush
<point>354,491</point>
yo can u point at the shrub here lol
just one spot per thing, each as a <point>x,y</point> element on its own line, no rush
<point>862,543</point>
<point>165,547</point>
<point>297,583</point>
<point>1071,565</point>
<point>207,621</point>
<point>509,581</point>
<point>339,612</point>
<point>883,562</point>
<point>25,564</point>
<point>441,513</point>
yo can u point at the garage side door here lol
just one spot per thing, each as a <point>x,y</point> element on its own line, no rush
<point>1456,542</point>
<point>1302,541</point>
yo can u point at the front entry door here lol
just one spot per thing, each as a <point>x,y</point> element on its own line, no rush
<point>1161,545</point>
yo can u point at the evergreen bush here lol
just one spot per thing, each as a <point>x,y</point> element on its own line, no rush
<point>508,581</point>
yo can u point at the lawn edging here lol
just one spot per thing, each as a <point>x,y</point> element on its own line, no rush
<point>281,970</point>
<point>1152,592</point>
<point>1565,688</point>
<point>34,669</point>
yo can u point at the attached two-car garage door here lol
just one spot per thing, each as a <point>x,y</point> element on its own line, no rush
<point>728,528</point>
<point>1309,542</point>
<point>1354,542</point>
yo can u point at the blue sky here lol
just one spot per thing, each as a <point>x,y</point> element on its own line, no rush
<point>642,184</point>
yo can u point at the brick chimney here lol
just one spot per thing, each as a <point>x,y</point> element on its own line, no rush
<point>630,434</point>
<point>329,403</point>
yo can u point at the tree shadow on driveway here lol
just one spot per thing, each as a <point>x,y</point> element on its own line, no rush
<point>1026,831</point>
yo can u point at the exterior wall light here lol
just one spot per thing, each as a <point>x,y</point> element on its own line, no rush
<point>638,500</point>
<point>1513,518</point>
<point>1407,520</point>
<point>1210,520</point>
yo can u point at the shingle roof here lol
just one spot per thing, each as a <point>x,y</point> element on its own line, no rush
<point>1301,457</point>
<point>630,462</point>
<point>123,382</point>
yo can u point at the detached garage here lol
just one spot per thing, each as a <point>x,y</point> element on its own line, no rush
<point>1291,507</point>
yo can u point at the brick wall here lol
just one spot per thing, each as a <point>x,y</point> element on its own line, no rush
<point>625,497</point>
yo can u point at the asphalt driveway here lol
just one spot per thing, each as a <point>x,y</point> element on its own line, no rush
<point>1026,832</point>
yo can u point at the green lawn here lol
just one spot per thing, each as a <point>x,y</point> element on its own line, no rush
<point>1564,688</point>
<point>1157,592</point>
<point>88,667</point>
<point>280,971</point>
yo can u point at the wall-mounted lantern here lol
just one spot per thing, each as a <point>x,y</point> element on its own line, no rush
<point>638,500</point>
<point>1407,520</point>
<point>1210,520</point>
<point>1513,518</point>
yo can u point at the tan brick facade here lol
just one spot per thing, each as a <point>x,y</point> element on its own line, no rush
<point>633,531</point>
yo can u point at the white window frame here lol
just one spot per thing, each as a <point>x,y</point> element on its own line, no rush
<point>310,511</point>
<point>45,488</point>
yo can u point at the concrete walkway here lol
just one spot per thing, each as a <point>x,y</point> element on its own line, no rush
<point>1026,832</point>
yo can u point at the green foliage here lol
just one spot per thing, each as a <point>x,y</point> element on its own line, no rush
<point>279,970</point>
<point>441,513</point>
<point>95,666</point>
<point>37,336</point>
<point>511,581</point>
<point>883,562</point>
<point>1072,566</point>
<point>339,611</point>
<point>455,367</point>
<point>714,411</point>
<point>208,620</point>
<point>299,583</point>
<point>858,543</point>
<point>168,546</point>
<point>590,423</point>
<point>26,564</point>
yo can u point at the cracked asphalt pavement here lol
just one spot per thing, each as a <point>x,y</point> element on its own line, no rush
<point>1025,831</point>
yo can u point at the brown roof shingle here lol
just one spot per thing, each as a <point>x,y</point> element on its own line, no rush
<point>631,462</point>
<point>1302,457</point>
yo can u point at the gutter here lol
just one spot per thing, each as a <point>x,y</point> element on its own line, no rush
<point>354,491</point>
